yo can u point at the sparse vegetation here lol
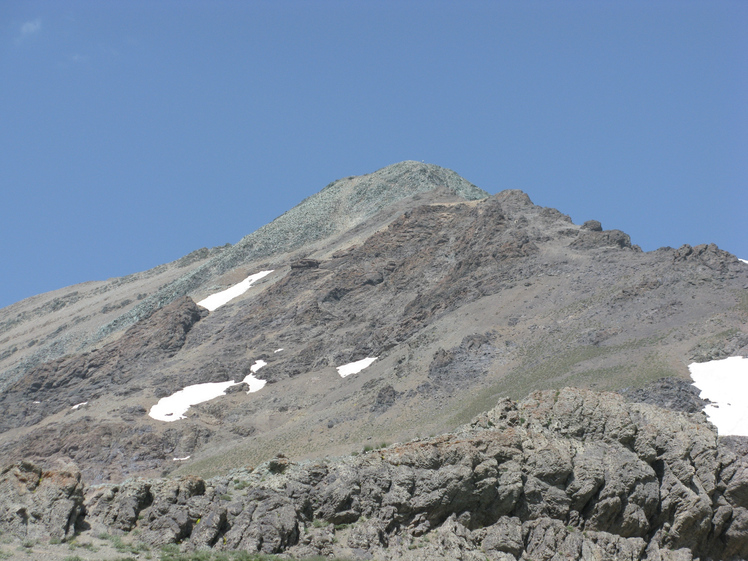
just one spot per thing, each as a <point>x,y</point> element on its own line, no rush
<point>122,546</point>
<point>74,544</point>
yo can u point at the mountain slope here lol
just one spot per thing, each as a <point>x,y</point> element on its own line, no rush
<point>75,319</point>
<point>460,301</point>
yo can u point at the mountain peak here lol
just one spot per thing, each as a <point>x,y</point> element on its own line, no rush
<point>418,177</point>
<point>340,206</point>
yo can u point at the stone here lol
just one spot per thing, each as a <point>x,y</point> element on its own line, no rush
<point>40,504</point>
<point>593,226</point>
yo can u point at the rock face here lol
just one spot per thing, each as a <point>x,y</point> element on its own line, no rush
<point>563,474</point>
<point>39,504</point>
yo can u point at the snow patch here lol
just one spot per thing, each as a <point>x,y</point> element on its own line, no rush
<point>181,459</point>
<point>743,260</point>
<point>355,367</point>
<point>724,383</point>
<point>257,365</point>
<point>215,301</point>
<point>277,350</point>
<point>255,384</point>
<point>74,407</point>
<point>173,407</point>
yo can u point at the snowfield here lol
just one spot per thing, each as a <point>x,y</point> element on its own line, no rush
<point>355,367</point>
<point>173,407</point>
<point>215,301</point>
<point>725,384</point>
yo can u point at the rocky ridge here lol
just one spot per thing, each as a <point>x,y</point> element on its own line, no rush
<point>567,473</point>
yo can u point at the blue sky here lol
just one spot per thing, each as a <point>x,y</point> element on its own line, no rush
<point>132,133</point>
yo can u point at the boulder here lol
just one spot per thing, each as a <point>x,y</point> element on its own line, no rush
<point>40,504</point>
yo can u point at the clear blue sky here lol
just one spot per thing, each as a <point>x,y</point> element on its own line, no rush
<point>134,132</point>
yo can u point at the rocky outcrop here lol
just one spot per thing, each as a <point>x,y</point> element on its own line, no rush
<point>592,238</point>
<point>37,504</point>
<point>708,255</point>
<point>730,344</point>
<point>671,393</point>
<point>305,264</point>
<point>571,473</point>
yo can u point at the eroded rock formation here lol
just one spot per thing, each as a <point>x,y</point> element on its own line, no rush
<point>568,473</point>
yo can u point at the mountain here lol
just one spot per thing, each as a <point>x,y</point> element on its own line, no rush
<point>385,308</point>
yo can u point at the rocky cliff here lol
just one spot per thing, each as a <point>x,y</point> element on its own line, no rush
<point>570,473</point>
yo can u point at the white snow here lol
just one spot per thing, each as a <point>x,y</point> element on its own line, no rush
<point>181,459</point>
<point>725,384</point>
<point>79,405</point>
<point>37,402</point>
<point>743,260</point>
<point>257,365</point>
<point>215,301</point>
<point>173,407</point>
<point>277,350</point>
<point>355,367</point>
<point>255,384</point>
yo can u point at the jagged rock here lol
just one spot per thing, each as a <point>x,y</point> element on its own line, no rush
<point>670,393</point>
<point>592,225</point>
<point>385,399</point>
<point>716,349</point>
<point>305,264</point>
<point>39,504</point>
<point>708,255</point>
<point>576,473</point>
<point>591,239</point>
